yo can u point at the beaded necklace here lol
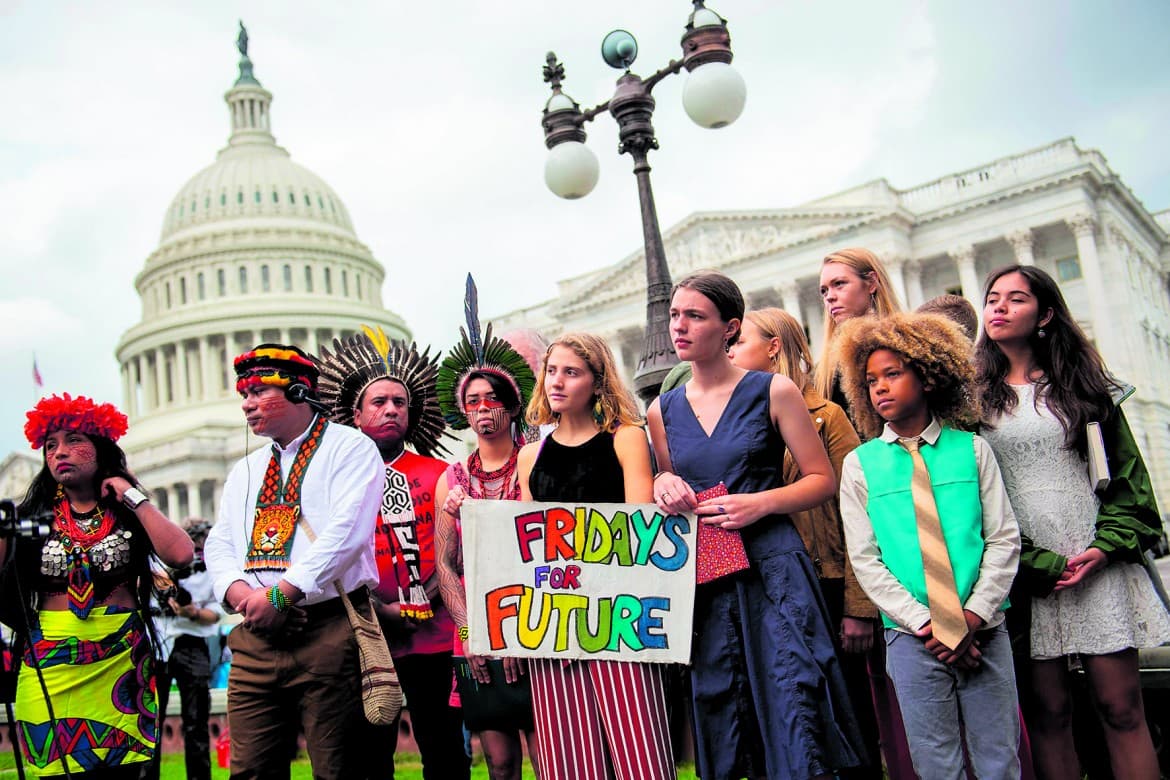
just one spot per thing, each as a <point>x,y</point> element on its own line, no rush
<point>278,507</point>
<point>494,484</point>
<point>79,534</point>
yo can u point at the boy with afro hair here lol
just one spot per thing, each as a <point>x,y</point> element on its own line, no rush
<point>932,539</point>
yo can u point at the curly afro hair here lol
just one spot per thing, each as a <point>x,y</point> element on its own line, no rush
<point>933,346</point>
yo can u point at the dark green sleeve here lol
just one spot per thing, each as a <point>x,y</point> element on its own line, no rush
<point>1128,522</point>
<point>1040,568</point>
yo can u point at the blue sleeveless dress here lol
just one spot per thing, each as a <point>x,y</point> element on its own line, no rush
<point>769,697</point>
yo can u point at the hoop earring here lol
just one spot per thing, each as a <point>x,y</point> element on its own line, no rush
<point>598,411</point>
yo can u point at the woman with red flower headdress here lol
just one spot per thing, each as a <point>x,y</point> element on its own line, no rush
<point>85,700</point>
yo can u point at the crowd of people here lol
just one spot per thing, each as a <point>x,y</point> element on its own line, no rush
<point>926,553</point>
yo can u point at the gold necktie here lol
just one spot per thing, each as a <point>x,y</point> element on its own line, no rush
<point>947,622</point>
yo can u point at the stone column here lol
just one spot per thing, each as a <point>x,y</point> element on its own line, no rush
<point>187,506</point>
<point>964,258</point>
<point>1023,243</point>
<point>183,391</point>
<point>216,498</point>
<point>152,392</point>
<point>790,299</point>
<point>894,269</point>
<point>127,404</point>
<point>205,511</point>
<point>912,276</point>
<point>1084,227</point>
<point>207,387</point>
<point>137,385</point>
<point>162,499</point>
<point>160,377</point>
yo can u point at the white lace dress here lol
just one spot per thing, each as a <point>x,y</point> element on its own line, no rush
<point>1049,489</point>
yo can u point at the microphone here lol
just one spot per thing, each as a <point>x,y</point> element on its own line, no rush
<point>299,393</point>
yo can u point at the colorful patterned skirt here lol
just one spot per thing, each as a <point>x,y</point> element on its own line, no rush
<point>100,682</point>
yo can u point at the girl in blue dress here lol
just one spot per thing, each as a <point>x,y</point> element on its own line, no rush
<point>769,698</point>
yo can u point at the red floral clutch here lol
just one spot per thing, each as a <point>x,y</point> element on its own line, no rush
<point>720,551</point>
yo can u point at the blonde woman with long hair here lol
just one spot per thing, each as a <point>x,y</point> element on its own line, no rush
<point>772,340</point>
<point>594,719</point>
<point>854,283</point>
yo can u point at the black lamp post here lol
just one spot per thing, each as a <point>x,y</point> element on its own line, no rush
<point>713,97</point>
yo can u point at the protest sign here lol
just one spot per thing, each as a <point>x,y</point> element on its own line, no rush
<point>570,580</point>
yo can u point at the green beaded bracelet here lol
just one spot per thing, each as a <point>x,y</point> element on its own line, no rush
<point>278,600</point>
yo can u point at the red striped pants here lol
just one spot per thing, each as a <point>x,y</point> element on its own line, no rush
<point>601,720</point>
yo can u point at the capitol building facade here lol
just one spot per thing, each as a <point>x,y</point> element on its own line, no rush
<point>254,248</point>
<point>1059,207</point>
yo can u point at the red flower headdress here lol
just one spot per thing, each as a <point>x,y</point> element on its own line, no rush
<point>64,412</point>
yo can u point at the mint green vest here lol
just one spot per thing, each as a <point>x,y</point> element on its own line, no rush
<point>954,478</point>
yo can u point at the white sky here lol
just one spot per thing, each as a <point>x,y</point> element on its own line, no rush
<point>425,118</point>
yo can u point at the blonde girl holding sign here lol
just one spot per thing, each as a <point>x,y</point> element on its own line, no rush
<point>595,719</point>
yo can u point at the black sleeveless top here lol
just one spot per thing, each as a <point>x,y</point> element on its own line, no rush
<point>588,472</point>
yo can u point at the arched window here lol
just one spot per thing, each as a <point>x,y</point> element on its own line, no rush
<point>345,283</point>
<point>308,278</point>
<point>265,281</point>
<point>243,280</point>
<point>182,289</point>
<point>200,286</point>
<point>221,282</point>
<point>286,272</point>
<point>328,282</point>
<point>168,295</point>
<point>357,278</point>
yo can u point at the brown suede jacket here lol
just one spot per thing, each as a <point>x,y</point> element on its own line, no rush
<point>820,527</point>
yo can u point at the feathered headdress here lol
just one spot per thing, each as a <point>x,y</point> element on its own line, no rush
<point>476,352</point>
<point>365,358</point>
<point>65,412</point>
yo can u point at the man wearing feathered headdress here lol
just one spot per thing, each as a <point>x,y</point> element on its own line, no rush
<point>386,390</point>
<point>296,517</point>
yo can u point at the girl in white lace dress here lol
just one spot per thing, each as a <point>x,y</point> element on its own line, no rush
<point>1041,381</point>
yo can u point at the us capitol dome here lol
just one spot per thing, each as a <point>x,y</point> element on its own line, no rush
<point>254,248</point>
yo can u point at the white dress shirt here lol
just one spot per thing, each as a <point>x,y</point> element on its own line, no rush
<point>340,497</point>
<point>1001,540</point>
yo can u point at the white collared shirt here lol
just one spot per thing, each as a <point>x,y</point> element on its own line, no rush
<point>169,627</point>
<point>1001,539</point>
<point>340,497</point>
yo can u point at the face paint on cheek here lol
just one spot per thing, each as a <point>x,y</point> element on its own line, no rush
<point>85,455</point>
<point>273,407</point>
<point>497,417</point>
<point>366,420</point>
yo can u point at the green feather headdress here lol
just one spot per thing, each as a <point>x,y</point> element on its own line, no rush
<point>365,358</point>
<point>479,352</point>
